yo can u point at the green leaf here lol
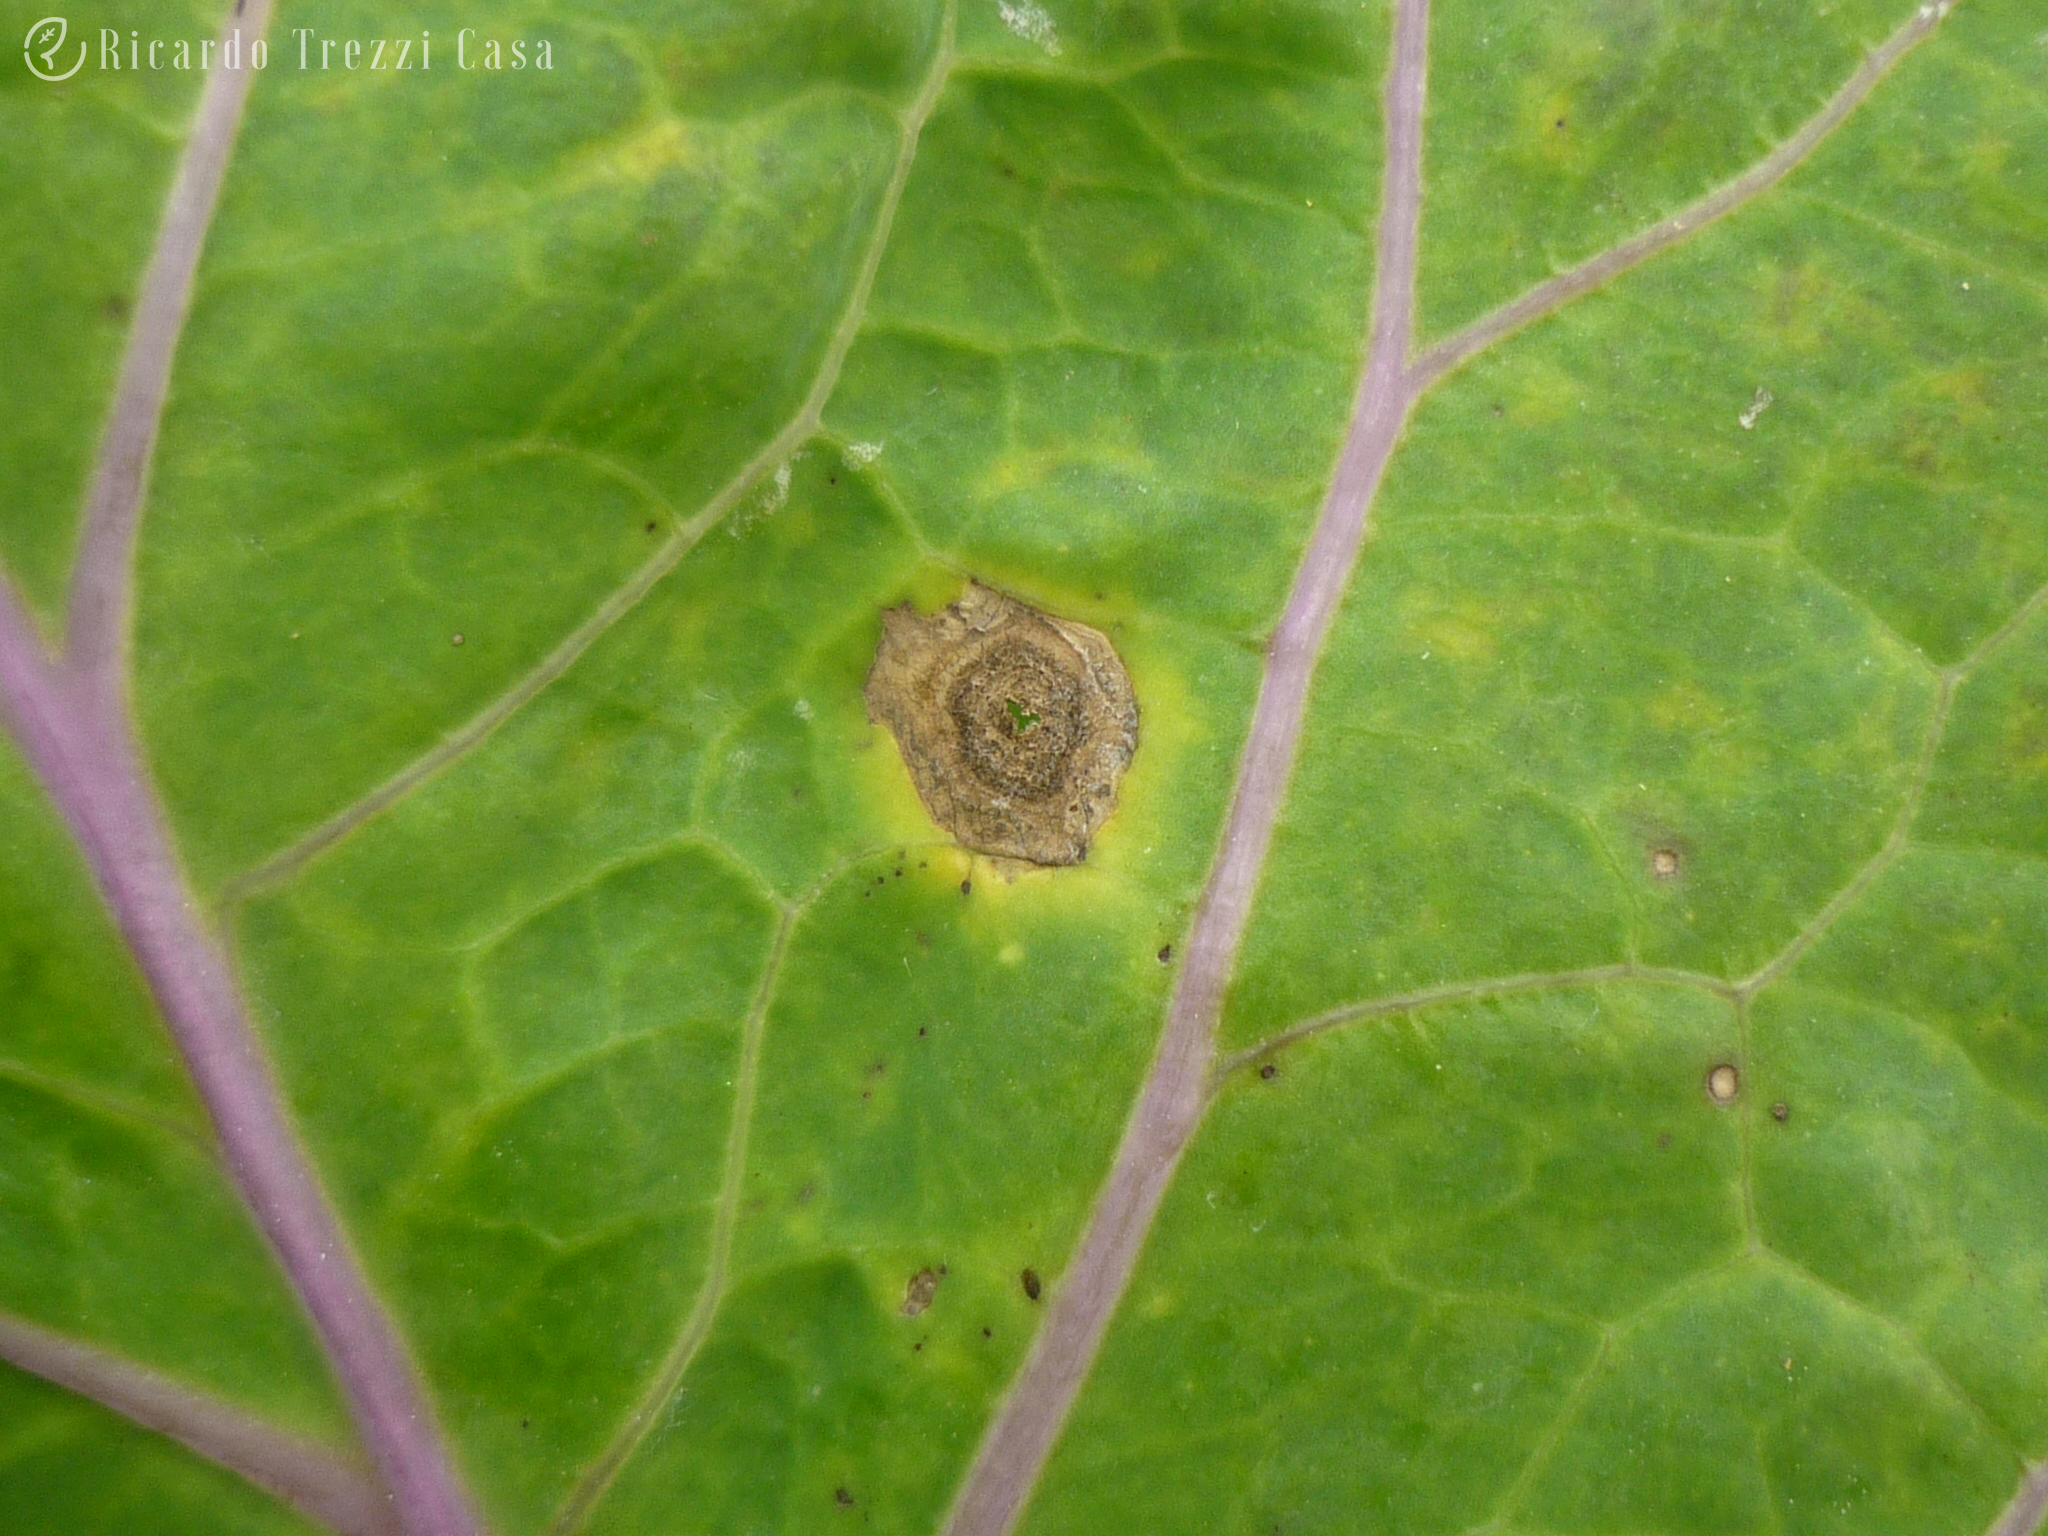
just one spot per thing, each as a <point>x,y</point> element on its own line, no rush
<point>542,449</point>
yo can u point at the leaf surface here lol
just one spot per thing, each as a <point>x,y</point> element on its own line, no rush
<point>541,452</point>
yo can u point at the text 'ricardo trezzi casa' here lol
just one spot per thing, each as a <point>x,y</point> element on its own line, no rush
<point>305,49</point>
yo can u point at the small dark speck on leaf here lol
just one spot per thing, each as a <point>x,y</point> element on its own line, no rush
<point>523,1423</point>
<point>1499,409</point>
<point>966,887</point>
<point>1560,122</point>
<point>920,1031</point>
<point>115,306</point>
<point>1165,953</point>
<point>924,940</point>
<point>918,1347</point>
<point>866,1094</point>
<point>650,527</point>
<point>842,1498</point>
<point>1781,1112</point>
<point>1031,1283</point>
<point>831,479</point>
<point>1723,1083</point>
<point>1663,1141</point>
<point>988,1333</point>
<point>1268,1072</point>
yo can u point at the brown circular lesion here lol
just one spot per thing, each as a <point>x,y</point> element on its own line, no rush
<point>1019,718</point>
<point>1015,724</point>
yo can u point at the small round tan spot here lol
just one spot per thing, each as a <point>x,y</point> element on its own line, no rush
<point>455,639</point>
<point>1015,725</point>
<point>1723,1083</point>
<point>1781,1112</point>
<point>923,1286</point>
<point>1664,863</point>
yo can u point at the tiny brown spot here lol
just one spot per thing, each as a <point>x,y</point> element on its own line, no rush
<point>650,527</point>
<point>1781,1112</point>
<point>1031,1283</point>
<point>917,1295</point>
<point>966,887</point>
<point>1560,122</point>
<point>988,1333</point>
<point>1663,1141</point>
<point>807,1194</point>
<point>1165,953</point>
<point>1664,863</point>
<point>842,1498</point>
<point>1268,1072</point>
<point>917,1347</point>
<point>922,939</point>
<point>920,1031</point>
<point>115,306</point>
<point>1723,1083</point>
<point>1015,725</point>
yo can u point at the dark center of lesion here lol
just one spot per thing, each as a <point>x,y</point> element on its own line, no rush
<point>1017,708</point>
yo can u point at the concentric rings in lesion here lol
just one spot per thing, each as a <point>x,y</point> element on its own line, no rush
<point>1015,724</point>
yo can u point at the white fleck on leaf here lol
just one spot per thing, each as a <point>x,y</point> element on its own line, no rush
<point>1758,404</point>
<point>1030,22</point>
<point>860,455</point>
<point>772,501</point>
